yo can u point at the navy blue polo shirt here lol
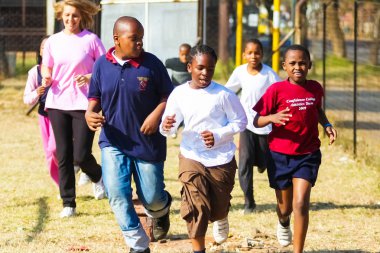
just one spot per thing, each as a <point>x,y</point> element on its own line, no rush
<point>128,94</point>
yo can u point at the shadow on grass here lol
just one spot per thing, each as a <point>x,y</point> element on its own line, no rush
<point>43,215</point>
<point>338,251</point>
<point>327,206</point>
<point>362,125</point>
<point>314,206</point>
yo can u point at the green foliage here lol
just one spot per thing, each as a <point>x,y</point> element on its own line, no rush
<point>223,71</point>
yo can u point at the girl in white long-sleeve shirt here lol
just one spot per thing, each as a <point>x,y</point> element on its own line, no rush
<point>211,115</point>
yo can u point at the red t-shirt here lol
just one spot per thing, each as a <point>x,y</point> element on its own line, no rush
<point>300,134</point>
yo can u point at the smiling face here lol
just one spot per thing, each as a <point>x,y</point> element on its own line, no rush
<point>296,65</point>
<point>202,68</point>
<point>128,39</point>
<point>253,54</point>
<point>71,19</point>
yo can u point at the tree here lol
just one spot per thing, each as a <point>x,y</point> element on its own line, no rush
<point>334,31</point>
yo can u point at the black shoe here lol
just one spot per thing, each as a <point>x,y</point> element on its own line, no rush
<point>261,169</point>
<point>161,227</point>
<point>147,250</point>
<point>249,208</point>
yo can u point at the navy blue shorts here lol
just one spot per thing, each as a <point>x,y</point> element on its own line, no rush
<point>283,168</point>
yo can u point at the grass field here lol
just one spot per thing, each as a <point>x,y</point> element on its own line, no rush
<point>344,212</point>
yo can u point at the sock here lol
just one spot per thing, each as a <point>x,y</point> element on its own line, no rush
<point>200,251</point>
<point>286,223</point>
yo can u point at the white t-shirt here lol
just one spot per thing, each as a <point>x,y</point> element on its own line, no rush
<point>213,108</point>
<point>252,88</point>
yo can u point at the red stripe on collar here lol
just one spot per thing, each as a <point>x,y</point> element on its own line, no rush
<point>135,62</point>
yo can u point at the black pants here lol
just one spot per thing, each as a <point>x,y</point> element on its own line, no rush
<point>253,150</point>
<point>74,145</point>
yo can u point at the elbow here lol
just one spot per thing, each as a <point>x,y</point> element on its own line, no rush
<point>256,121</point>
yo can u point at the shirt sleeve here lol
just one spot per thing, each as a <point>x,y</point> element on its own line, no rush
<point>233,82</point>
<point>236,119</point>
<point>30,92</point>
<point>171,109</point>
<point>95,88</point>
<point>48,59</point>
<point>266,104</point>
<point>99,49</point>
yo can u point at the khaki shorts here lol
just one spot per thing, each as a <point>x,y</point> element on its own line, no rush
<point>206,193</point>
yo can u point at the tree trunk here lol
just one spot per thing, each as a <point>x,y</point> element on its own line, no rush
<point>334,31</point>
<point>374,49</point>
<point>223,36</point>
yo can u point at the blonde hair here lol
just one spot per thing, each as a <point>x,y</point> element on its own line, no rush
<point>86,8</point>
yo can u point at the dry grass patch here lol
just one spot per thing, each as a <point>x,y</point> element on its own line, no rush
<point>344,215</point>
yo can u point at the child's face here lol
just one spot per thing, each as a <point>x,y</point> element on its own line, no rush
<point>129,42</point>
<point>296,65</point>
<point>202,70</point>
<point>253,55</point>
<point>183,52</point>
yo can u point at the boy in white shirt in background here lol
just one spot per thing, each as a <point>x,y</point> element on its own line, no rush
<point>252,78</point>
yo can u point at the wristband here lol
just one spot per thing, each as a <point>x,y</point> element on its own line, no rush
<point>327,125</point>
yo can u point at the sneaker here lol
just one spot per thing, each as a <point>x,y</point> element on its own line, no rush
<point>261,169</point>
<point>147,250</point>
<point>67,212</point>
<point>161,227</point>
<point>220,230</point>
<point>76,169</point>
<point>99,191</point>
<point>284,235</point>
<point>83,179</point>
<point>249,208</point>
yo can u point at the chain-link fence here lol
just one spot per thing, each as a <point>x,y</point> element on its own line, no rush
<point>351,73</point>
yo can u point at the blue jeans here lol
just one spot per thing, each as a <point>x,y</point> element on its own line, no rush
<point>117,171</point>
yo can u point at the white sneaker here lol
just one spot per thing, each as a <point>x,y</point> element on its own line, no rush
<point>99,191</point>
<point>76,169</point>
<point>83,179</point>
<point>220,230</point>
<point>284,235</point>
<point>67,212</point>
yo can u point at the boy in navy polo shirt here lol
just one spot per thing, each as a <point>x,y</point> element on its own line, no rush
<point>294,108</point>
<point>131,87</point>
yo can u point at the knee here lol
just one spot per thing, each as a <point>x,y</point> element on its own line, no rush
<point>301,207</point>
<point>285,210</point>
<point>157,201</point>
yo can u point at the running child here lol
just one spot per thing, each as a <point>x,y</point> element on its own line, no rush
<point>34,93</point>
<point>253,79</point>
<point>212,114</point>
<point>293,106</point>
<point>178,65</point>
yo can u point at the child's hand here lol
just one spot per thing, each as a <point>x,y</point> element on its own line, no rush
<point>208,138</point>
<point>81,80</point>
<point>281,117</point>
<point>332,134</point>
<point>168,123</point>
<point>94,120</point>
<point>40,90</point>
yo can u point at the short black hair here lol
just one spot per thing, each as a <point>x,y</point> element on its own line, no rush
<point>201,49</point>
<point>256,42</point>
<point>187,46</point>
<point>298,48</point>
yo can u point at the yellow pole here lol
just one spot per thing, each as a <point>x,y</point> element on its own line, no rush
<point>276,35</point>
<point>239,32</point>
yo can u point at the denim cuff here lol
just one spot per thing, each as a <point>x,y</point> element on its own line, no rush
<point>162,212</point>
